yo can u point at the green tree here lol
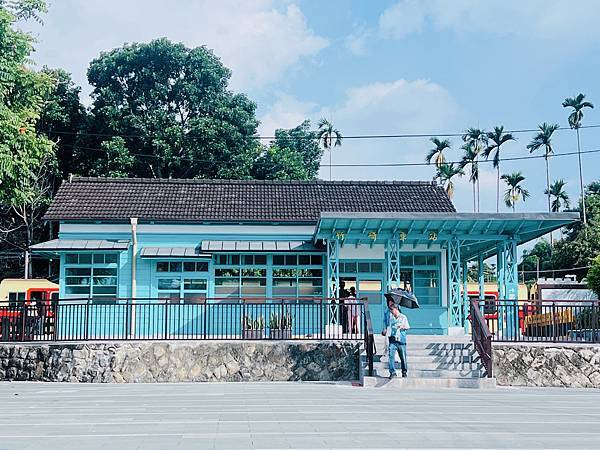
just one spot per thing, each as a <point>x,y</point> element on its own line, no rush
<point>171,104</point>
<point>475,140</point>
<point>515,192</point>
<point>537,258</point>
<point>330,137</point>
<point>543,139</point>
<point>295,154</point>
<point>445,174</point>
<point>558,195</point>
<point>593,276</point>
<point>62,117</point>
<point>496,139</point>
<point>578,103</point>
<point>25,156</point>
<point>436,155</point>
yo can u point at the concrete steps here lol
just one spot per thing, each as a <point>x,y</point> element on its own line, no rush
<point>433,361</point>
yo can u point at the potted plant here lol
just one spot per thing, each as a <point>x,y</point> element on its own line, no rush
<point>253,328</point>
<point>280,326</point>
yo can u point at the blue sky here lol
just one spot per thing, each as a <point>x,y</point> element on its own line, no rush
<point>373,67</point>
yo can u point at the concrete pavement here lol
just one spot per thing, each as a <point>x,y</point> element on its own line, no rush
<point>292,415</point>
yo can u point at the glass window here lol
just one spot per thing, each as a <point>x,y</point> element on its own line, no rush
<point>364,267</point>
<point>303,260</point>
<point>406,260</point>
<point>175,266</point>
<point>85,258</point>
<point>316,260</point>
<point>248,260</point>
<point>278,260</point>
<point>71,258</point>
<point>189,266</point>
<point>98,258</point>
<point>110,258</point>
<point>376,267</point>
<point>420,260</point>
<point>194,284</point>
<point>232,272</point>
<point>162,266</point>
<point>169,283</point>
<point>260,260</point>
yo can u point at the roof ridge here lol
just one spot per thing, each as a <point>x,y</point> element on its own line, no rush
<point>249,181</point>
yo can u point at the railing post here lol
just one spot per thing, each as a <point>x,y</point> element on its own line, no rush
<point>553,324</point>
<point>594,321</point>
<point>166,330</point>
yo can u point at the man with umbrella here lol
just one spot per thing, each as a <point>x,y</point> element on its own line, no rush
<point>395,327</point>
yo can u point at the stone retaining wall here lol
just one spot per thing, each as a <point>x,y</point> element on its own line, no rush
<point>141,362</point>
<point>547,365</point>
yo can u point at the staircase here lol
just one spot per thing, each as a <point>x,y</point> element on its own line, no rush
<point>433,361</point>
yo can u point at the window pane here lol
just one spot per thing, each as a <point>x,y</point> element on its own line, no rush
<point>79,271</point>
<point>112,281</point>
<point>162,267</point>
<point>234,260</point>
<point>202,266</point>
<point>406,260</point>
<point>110,258</point>
<point>254,286</point>
<point>364,267</point>
<point>105,290</point>
<point>227,272</point>
<point>278,260</point>
<point>194,284</point>
<point>432,260</point>
<point>194,298</point>
<point>284,286</point>
<point>291,260</point>
<point>284,273</point>
<point>169,283</point>
<point>227,287</point>
<point>85,258</point>
<point>77,281</point>
<point>304,260</point>
<point>189,266</point>
<point>248,260</point>
<point>316,260</point>
<point>111,272</point>
<point>376,267</point>
<point>71,258</point>
<point>98,258</point>
<point>310,286</point>
<point>420,260</point>
<point>260,260</point>
<point>77,290</point>
<point>175,267</point>
<point>254,272</point>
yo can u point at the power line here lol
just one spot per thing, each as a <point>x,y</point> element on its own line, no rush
<point>270,138</point>
<point>399,164</point>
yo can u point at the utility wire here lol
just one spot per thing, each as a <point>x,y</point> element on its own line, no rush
<point>358,136</point>
<point>407,164</point>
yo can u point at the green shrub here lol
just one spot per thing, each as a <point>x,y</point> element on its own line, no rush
<point>593,277</point>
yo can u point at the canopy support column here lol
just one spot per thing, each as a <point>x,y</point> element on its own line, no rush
<point>500,260</point>
<point>511,281</point>
<point>393,263</point>
<point>454,300</point>
<point>465,295</point>
<point>481,281</point>
<point>333,278</point>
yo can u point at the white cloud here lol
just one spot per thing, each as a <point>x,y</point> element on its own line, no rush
<point>400,106</point>
<point>259,40</point>
<point>545,19</point>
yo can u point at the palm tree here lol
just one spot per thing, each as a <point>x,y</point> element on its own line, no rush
<point>559,195</point>
<point>329,137</point>
<point>445,173</point>
<point>543,139</point>
<point>477,139</point>
<point>575,118</point>
<point>515,191</point>
<point>436,154</point>
<point>497,137</point>
<point>470,158</point>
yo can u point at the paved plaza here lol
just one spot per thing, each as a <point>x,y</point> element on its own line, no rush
<point>292,415</point>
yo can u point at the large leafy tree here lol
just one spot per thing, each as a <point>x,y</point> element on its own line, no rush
<point>536,260</point>
<point>515,191</point>
<point>62,117</point>
<point>475,141</point>
<point>295,154</point>
<point>171,106</point>
<point>577,104</point>
<point>26,157</point>
<point>543,139</point>
<point>496,139</point>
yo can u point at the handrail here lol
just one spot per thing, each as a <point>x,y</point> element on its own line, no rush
<point>369,337</point>
<point>482,337</point>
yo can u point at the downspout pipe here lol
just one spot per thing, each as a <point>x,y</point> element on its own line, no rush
<point>134,223</point>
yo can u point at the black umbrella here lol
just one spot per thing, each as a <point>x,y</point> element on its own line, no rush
<point>403,298</point>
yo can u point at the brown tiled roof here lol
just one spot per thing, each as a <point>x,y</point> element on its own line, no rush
<point>228,200</point>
